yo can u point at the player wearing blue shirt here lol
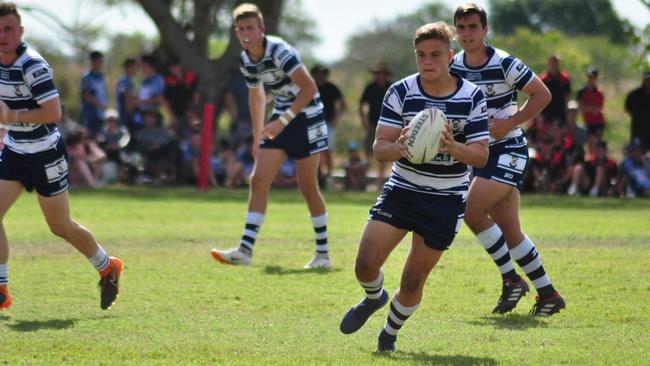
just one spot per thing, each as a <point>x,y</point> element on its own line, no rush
<point>493,202</point>
<point>94,95</point>
<point>33,155</point>
<point>296,130</point>
<point>427,199</point>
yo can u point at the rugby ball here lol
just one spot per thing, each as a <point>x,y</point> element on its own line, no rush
<point>423,136</point>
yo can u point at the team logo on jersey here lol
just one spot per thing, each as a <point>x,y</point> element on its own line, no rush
<point>513,161</point>
<point>457,125</point>
<point>489,89</point>
<point>38,73</point>
<point>18,91</point>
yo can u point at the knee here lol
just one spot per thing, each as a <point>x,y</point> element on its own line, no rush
<point>259,183</point>
<point>411,284</point>
<point>473,216</point>
<point>60,229</point>
<point>365,267</point>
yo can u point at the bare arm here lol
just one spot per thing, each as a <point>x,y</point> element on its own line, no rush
<point>388,146</point>
<point>307,92</point>
<point>257,107</point>
<point>474,153</point>
<point>49,112</point>
<point>538,99</point>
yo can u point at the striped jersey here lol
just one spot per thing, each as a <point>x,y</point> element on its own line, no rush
<point>465,110</point>
<point>280,60</point>
<point>24,85</point>
<point>500,78</point>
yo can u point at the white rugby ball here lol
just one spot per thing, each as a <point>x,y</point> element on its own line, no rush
<point>423,136</point>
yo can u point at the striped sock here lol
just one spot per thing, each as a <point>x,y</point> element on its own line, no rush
<point>320,228</point>
<point>253,222</point>
<point>375,288</point>
<point>100,259</point>
<point>495,244</point>
<point>397,316</point>
<point>4,274</point>
<point>528,259</point>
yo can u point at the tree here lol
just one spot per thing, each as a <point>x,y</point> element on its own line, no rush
<point>571,17</point>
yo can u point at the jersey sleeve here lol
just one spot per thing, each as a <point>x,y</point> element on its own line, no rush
<point>391,109</point>
<point>39,78</point>
<point>476,128</point>
<point>516,72</point>
<point>286,58</point>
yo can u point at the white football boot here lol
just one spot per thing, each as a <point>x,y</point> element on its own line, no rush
<point>232,256</point>
<point>319,261</point>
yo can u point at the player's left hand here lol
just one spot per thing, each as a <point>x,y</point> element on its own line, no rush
<point>272,129</point>
<point>499,127</point>
<point>447,142</point>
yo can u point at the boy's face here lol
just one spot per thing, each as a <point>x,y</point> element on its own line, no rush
<point>11,34</point>
<point>471,34</point>
<point>432,57</point>
<point>249,32</point>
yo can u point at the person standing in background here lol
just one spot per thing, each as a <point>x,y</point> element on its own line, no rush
<point>94,95</point>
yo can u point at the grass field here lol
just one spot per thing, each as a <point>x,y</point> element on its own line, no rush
<point>177,306</point>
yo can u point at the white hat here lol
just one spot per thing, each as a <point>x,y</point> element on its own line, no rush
<point>111,113</point>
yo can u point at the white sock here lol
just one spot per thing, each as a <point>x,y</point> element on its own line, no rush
<point>254,221</point>
<point>100,259</point>
<point>320,228</point>
<point>4,274</point>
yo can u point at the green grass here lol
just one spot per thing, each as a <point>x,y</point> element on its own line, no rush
<point>177,306</point>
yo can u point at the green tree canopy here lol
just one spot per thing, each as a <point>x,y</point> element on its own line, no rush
<point>571,17</point>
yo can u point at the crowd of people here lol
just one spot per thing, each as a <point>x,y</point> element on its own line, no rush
<point>153,135</point>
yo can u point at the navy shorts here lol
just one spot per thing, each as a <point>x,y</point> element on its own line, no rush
<point>435,218</point>
<point>45,171</point>
<point>507,162</point>
<point>303,137</point>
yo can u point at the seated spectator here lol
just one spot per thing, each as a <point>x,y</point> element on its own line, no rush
<point>112,139</point>
<point>246,158</point>
<point>596,176</point>
<point>234,174</point>
<point>546,168</point>
<point>286,177</point>
<point>356,169</point>
<point>190,157</point>
<point>158,148</point>
<point>635,172</point>
<point>85,158</point>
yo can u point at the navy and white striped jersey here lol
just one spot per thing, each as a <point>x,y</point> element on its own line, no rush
<point>500,78</point>
<point>25,85</point>
<point>466,111</point>
<point>273,70</point>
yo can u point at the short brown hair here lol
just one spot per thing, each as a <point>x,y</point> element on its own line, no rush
<point>247,10</point>
<point>466,9</point>
<point>9,8</point>
<point>438,30</point>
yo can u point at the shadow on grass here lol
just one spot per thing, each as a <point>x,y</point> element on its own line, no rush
<point>510,321</point>
<point>35,325</point>
<point>281,271</point>
<point>429,359</point>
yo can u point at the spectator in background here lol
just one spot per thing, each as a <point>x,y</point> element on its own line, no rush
<point>577,133</point>
<point>112,140</point>
<point>158,147</point>
<point>152,87</point>
<point>637,104</point>
<point>125,94</point>
<point>558,83</point>
<point>370,109</point>
<point>94,95</point>
<point>356,169</point>
<point>190,155</point>
<point>334,107</point>
<point>591,101</point>
<point>635,172</point>
<point>596,176</point>
<point>180,86</point>
<point>286,177</point>
<point>241,127</point>
<point>86,159</point>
